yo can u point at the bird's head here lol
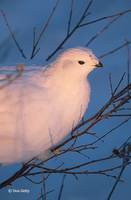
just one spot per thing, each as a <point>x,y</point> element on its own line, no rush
<point>80,60</point>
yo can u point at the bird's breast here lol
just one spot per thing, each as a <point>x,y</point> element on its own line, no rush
<point>51,117</point>
<point>69,106</point>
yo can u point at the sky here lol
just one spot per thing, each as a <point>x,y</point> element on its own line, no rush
<point>23,16</point>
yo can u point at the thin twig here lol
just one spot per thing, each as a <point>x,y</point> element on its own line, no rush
<point>116,182</point>
<point>12,34</point>
<point>70,17</point>
<point>119,83</point>
<point>111,88</point>
<point>106,17</point>
<point>110,131</point>
<point>102,30</point>
<point>35,44</point>
<point>128,64</point>
<point>114,50</point>
<point>44,188</point>
<point>61,188</point>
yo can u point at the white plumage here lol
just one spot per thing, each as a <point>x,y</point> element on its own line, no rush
<point>38,108</point>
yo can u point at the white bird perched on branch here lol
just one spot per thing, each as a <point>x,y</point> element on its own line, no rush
<point>39,107</point>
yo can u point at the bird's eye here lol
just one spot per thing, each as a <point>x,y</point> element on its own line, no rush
<point>81,62</point>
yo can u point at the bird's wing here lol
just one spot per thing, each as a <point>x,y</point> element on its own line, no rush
<point>36,77</point>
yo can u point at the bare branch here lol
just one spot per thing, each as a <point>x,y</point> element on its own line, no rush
<point>102,30</point>
<point>70,17</point>
<point>106,17</point>
<point>115,49</point>
<point>62,186</point>
<point>117,180</point>
<point>77,26</point>
<point>12,35</point>
<point>36,42</point>
<point>128,64</point>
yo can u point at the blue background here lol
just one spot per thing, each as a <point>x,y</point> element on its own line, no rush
<point>23,16</point>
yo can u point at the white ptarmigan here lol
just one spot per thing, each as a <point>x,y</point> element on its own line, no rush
<point>38,108</point>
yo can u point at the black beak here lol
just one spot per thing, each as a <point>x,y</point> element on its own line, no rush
<point>99,64</point>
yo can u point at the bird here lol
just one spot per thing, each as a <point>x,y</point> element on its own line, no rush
<point>39,108</point>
